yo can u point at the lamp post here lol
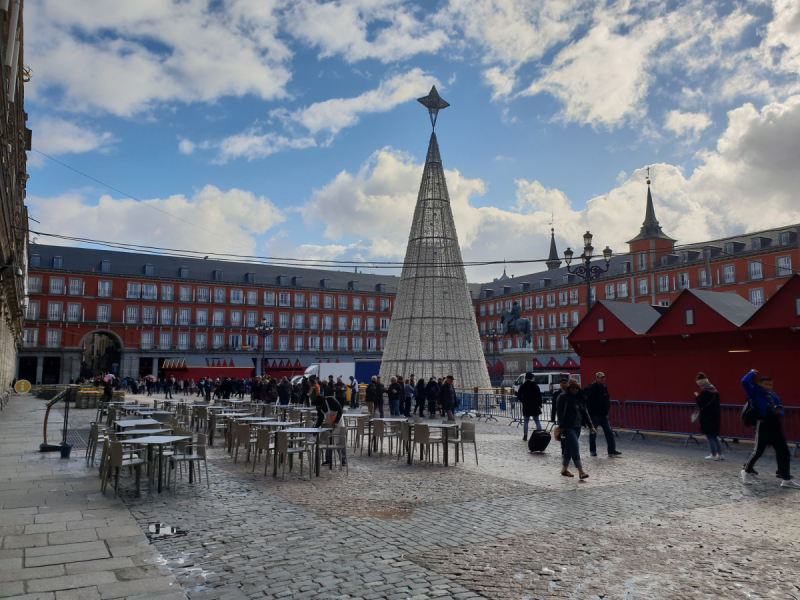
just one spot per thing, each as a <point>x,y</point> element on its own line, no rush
<point>587,270</point>
<point>264,329</point>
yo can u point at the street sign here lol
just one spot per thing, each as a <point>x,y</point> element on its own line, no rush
<point>22,386</point>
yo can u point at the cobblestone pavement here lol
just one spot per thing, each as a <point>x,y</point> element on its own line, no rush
<point>660,522</point>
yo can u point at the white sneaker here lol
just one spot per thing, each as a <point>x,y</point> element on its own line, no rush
<point>712,457</point>
<point>720,457</point>
<point>790,483</point>
<point>746,478</point>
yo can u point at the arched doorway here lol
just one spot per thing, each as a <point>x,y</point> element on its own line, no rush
<point>102,353</point>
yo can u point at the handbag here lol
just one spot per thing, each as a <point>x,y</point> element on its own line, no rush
<point>557,432</point>
<point>696,414</point>
<point>749,414</point>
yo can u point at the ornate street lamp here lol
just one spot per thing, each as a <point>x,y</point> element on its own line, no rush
<point>264,330</point>
<point>587,270</point>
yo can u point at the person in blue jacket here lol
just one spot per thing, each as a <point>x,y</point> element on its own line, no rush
<point>768,429</point>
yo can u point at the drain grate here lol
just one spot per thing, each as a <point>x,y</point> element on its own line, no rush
<point>79,438</point>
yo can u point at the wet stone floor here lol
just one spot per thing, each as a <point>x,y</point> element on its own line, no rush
<point>659,522</point>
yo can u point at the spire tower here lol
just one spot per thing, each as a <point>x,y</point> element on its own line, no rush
<point>433,332</point>
<point>553,261</point>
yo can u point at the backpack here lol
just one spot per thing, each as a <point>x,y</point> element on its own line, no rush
<point>749,414</point>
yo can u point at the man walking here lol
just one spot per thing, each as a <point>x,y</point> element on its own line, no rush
<point>353,392</point>
<point>768,429</point>
<point>530,396</point>
<point>394,393</point>
<point>598,404</point>
<point>168,383</point>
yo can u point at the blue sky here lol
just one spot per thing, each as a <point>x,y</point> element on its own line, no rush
<point>291,128</point>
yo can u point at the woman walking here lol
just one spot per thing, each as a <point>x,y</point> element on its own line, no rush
<point>708,404</point>
<point>572,416</point>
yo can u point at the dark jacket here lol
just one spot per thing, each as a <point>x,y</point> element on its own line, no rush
<point>340,392</point>
<point>369,393</point>
<point>569,406</point>
<point>419,391</point>
<point>768,404</point>
<point>710,410</point>
<point>379,392</point>
<point>323,405</point>
<point>432,391</point>
<point>597,399</point>
<point>447,396</point>
<point>395,391</point>
<point>531,397</point>
<point>285,391</point>
<point>108,390</point>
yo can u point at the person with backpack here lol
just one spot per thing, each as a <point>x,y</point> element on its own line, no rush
<point>572,416</point>
<point>530,396</point>
<point>768,410</point>
<point>432,393</point>
<point>709,414</point>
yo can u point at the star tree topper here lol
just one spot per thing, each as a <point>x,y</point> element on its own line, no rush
<point>434,103</point>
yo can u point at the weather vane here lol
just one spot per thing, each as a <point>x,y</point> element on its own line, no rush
<point>434,103</point>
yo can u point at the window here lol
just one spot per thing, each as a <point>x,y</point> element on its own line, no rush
<point>553,342</point>
<point>609,291</point>
<point>54,311</point>
<point>31,337</point>
<point>663,302</point>
<point>491,309</point>
<point>327,322</point>
<point>252,318</point>
<point>32,312</point>
<point>202,294</point>
<point>482,310</point>
<point>149,292</point>
<point>146,340</point>
<point>327,301</point>
<point>641,261</point>
<point>539,343</point>
<point>298,343</point>
<point>573,296</point>
<point>342,322</point>
<point>529,303</point>
<point>663,283</point>
<point>508,305</point>
<point>341,343</point>
<point>268,317</point>
<point>53,338</point>
<point>185,293</point>
<point>183,340</point>
<point>201,316</point>
<point>200,340</point>
<point>683,281</point>
<point>219,318</point>
<point>701,277</point>
<point>784,239</point>
<point>483,327</point>
<point>357,342</point>
<point>313,300</point>
<point>148,315</point>
<point>284,299</point>
<point>564,319</point>
<point>575,318</point>
<point>562,298</point>
<point>564,342</point>
<point>252,340</point>
<point>58,263</point>
<point>370,323</point>
<point>236,318</point>
<point>56,285</point>
<point>757,297</point>
<point>219,295</point>
<point>76,287</point>
<point>540,321</point>
<point>237,296</point>
<point>218,340</point>
<point>384,324</point>
<point>797,307</point>
<point>184,272</point>
<point>754,268</point>
<point>134,290</point>
<point>73,311</point>
<point>268,342</point>
<point>132,314</point>
<point>551,299</point>
<point>593,293</point>
<point>299,321</point>
<point>601,325</point>
<point>370,303</point>
<point>756,243</point>
<point>313,342</point>
<point>370,344</point>
<point>283,320</point>
<point>148,269</point>
<point>36,260</point>
<point>269,298</point>
<point>165,340</point>
<point>539,301</point>
<point>103,313</point>
<point>105,266</point>
<point>313,321</point>
<point>622,289</point>
<point>356,303</point>
<point>690,316</point>
<point>729,274</point>
<point>551,320</point>
<point>166,315</point>
<point>728,248</point>
<point>299,300</point>
<point>34,283</point>
<point>218,275</point>
<point>642,287</point>
<point>784,266</point>
<point>252,297</point>
<point>356,324</point>
<point>184,316</point>
<point>235,341</point>
<point>283,342</point>
<point>342,302</point>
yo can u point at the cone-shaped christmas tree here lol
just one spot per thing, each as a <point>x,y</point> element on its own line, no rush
<point>433,332</point>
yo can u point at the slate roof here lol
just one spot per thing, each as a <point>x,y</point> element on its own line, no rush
<point>639,317</point>
<point>731,306</point>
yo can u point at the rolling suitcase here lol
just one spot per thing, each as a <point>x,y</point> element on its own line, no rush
<point>539,440</point>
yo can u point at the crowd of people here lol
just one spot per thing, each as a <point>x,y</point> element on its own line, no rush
<point>403,394</point>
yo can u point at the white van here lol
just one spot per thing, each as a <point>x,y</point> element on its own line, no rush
<point>548,382</point>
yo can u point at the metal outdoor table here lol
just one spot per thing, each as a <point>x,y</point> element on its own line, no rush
<point>312,430</point>
<point>160,441</point>
<point>254,419</point>
<point>142,432</point>
<point>444,427</point>
<point>119,425</point>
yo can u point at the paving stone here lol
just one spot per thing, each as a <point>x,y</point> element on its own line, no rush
<point>69,582</point>
<point>85,593</point>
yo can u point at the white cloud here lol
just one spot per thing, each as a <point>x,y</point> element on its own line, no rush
<point>57,136</point>
<point>126,57</point>
<point>236,216</point>
<point>387,30</point>
<point>252,143</point>
<point>186,146</point>
<point>500,80</point>
<point>686,122</point>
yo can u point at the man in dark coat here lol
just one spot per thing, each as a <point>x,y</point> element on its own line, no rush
<point>447,398</point>
<point>379,393</point>
<point>598,404</point>
<point>432,393</point>
<point>530,396</point>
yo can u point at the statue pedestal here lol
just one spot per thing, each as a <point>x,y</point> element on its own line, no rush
<point>516,361</point>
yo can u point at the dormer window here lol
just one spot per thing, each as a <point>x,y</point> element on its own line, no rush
<point>729,248</point>
<point>381,287</point>
<point>785,238</point>
<point>352,285</point>
<point>184,273</point>
<point>36,260</point>
<point>250,277</point>
<point>282,279</point>
<point>58,262</point>
<point>105,266</point>
<point>148,269</point>
<point>218,274</point>
<point>297,281</point>
<point>325,283</point>
<point>755,243</point>
<point>684,256</point>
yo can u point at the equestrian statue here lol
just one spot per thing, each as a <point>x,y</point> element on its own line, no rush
<point>513,323</point>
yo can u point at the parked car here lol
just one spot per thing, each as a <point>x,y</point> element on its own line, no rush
<point>547,382</point>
